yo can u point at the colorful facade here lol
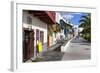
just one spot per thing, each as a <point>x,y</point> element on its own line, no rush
<point>44,26</point>
<point>35,27</point>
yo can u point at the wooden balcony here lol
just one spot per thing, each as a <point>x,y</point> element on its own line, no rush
<point>45,16</point>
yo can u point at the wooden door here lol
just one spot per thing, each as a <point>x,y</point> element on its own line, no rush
<point>28,44</point>
<point>31,43</point>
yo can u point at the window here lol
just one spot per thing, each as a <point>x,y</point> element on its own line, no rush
<point>37,34</point>
<point>42,37</point>
<point>29,20</point>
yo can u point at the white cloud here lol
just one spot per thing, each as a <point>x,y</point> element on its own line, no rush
<point>75,26</point>
<point>67,16</point>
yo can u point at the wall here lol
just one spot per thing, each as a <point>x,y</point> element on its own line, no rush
<point>54,38</point>
<point>58,17</point>
<point>36,24</point>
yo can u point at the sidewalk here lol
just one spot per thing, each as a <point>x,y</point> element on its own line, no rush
<point>53,54</point>
<point>78,49</point>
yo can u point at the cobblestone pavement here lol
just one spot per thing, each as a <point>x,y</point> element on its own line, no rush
<point>78,49</point>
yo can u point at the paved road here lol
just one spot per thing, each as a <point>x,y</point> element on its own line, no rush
<point>78,49</point>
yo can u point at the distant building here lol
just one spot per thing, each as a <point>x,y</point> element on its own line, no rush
<point>66,27</point>
<point>76,30</point>
<point>80,29</point>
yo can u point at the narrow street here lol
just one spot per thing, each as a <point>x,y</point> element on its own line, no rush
<point>78,49</point>
<point>52,37</point>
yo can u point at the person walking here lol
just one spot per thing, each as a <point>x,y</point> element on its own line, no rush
<point>39,48</point>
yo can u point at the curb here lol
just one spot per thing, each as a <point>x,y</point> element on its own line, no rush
<point>64,48</point>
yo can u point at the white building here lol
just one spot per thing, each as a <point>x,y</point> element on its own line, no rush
<point>76,30</point>
<point>66,22</point>
<point>35,29</point>
<point>58,18</point>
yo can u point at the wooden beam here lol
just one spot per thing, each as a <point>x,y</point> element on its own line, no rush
<point>40,16</point>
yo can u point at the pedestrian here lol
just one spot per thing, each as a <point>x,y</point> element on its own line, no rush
<point>39,48</point>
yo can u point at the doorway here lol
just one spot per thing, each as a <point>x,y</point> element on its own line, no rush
<point>28,44</point>
<point>39,37</point>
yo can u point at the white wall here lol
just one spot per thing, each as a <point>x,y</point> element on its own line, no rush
<point>54,39</point>
<point>80,29</point>
<point>58,17</point>
<point>36,24</point>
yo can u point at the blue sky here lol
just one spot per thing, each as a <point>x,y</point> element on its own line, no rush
<point>74,17</point>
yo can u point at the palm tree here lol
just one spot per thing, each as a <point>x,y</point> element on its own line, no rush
<point>85,23</point>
